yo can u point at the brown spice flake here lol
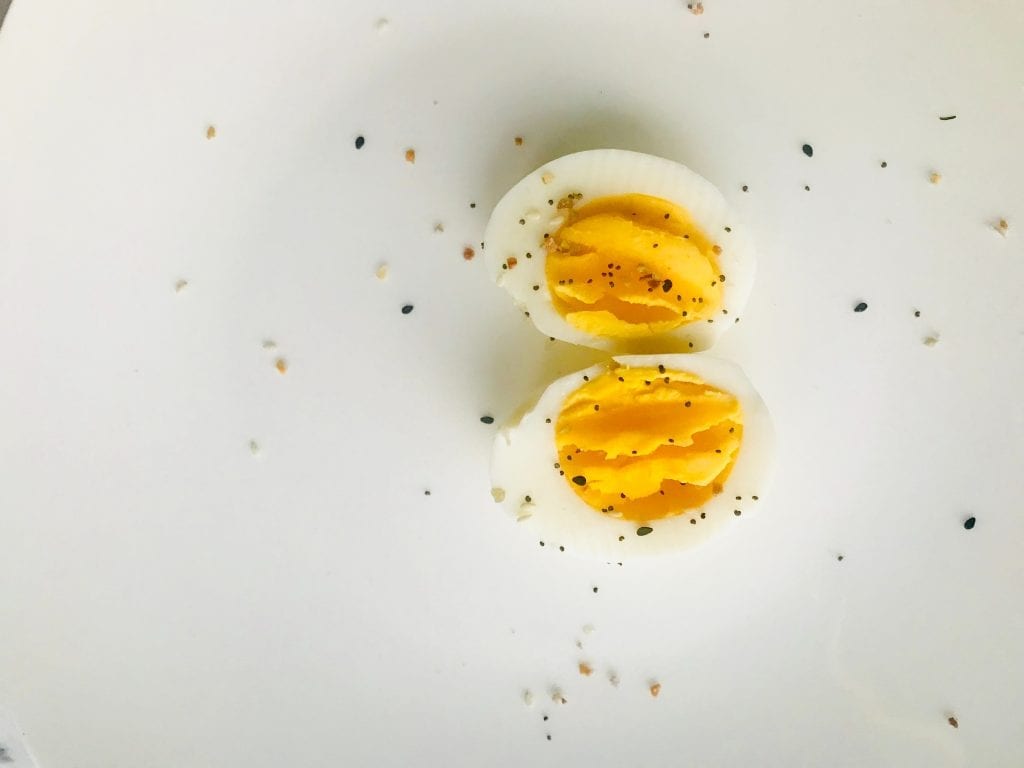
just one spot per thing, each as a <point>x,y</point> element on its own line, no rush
<point>281,365</point>
<point>934,177</point>
<point>211,132</point>
<point>410,155</point>
<point>585,669</point>
<point>519,141</point>
<point>655,689</point>
<point>468,253</point>
<point>511,261</point>
<point>953,721</point>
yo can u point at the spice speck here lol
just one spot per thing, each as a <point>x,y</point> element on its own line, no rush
<point>953,721</point>
<point>468,253</point>
<point>211,132</point>
<point>655,689</point>
<point>410,155</point>
<point>808,150</point>
<point>969,523</point>
<point>360,141</point>
<point>860,306</point>
<point>947,117</point>
<point>406,309</point>
<point>254,448</point>
<point>696,8</point>
<point>931,341</point>
<point>518,141</point>
<point>281,365</point>
<point>585,669</point>
<point>487,419</point>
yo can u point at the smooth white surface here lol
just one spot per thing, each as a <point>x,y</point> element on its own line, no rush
<point>167,598</point>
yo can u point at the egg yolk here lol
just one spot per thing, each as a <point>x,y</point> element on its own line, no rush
<point>628,266</point>
<point>647,443</point>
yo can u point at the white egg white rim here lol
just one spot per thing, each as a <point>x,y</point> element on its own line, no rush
<point>599,173</point>
<point>524,455</point>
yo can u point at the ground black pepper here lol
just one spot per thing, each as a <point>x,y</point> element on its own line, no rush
<point>808,150</point>
<point>643,530</point>
<point>969,523</point>
<point>579,480</point>
<point>407,309</point>
<point>487,419</point>
<point>861,306</point>
<point>359,142</point>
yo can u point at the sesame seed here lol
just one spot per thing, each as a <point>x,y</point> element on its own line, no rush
<point>808,150</point>
<point>360,141</point>
<point>579,480</point>
<point>969,523</point>
<point>860,306</point>
<point>487,419</point>
<point>407,309</point>
<point>643,530</point>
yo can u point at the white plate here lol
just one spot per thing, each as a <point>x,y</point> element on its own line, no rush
<point>169,598</point>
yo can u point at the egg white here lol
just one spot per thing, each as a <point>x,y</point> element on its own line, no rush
<point>525,453</point>
<point>600,173</point>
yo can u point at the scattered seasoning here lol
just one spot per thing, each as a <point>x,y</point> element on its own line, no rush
<point>745,188</point>
<point>487,419</point>
<point>808,150</point>
<point>211,132</point>
<point>595,590</point>
<point>545,719</point>
<point>382,272</point>
<point>931,341</point>
<point>737,512</point>
<point>547,177</point>
<point>426,492</point>
<point>1002,226</point>
<point>498,494</point>
<point>806,188</point>
<point>281,365</point>
<point>969,523</point>
<point>518,141</point>
<point>588,629</point>
<point>952,719</point>
<point>622,538</point>
<point>472,205</point>
<point>254,448</point>
<point>579,479</point>
<point>360,141</point>
<point>917,313</point>
<point>585,669</point>
<point>468,253</point>
<point>548,736</point>
<point>561,548</point>
<point>643,530</point>
<point>439,227</point>
<point>860,306</point>
<point>655,689</point>
<point>696,8</point>
<point>269,344</point>
<point>885,164</point>
<point>707,35</point>
<point>407,309</point>
<point>947,117</point>
<point>410,155</point>
<point>180,286</point>
<point>935,177</point>
<point>839,558</point>
<point>528,698</point>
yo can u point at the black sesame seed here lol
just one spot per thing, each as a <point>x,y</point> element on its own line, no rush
<point>917,313</point>
<point>407,309</point>
<point>661,369</point>
<point>969,523</point>
<point>947,117</point>
<point>643,530</point>
<point>745,188</point>
<point>666,286</point>
<point>861,306</point>
<point>595,590</point>
<point>487,419</point>
<point>885,164</point>
<point>737,512</point>
<point>728,229</point>
<point>359,142</point>
<point>561,548</point>
<point>579,480</point>
<point>808,150</point>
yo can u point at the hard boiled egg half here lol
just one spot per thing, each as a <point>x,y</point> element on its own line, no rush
<point>639,455</point>
<point>621,251</point>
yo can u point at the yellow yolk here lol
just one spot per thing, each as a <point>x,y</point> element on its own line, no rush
<point>631,265</point>
<point>647,443</point>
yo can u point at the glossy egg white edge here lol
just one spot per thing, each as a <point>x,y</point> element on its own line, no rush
<point>599,173</point>
<point>524,456</point>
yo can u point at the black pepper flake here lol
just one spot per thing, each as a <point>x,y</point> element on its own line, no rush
<point>666,286</point>
<point>661,369</point>
<point>643,530</point>
<point>536,287</point>
<point>548,421</point>
<point>595,590</point>
<point>359,142</point>
<point>728,229</point>
<point>545,718</point>
<point>917,313</point>
<point>808,150</point>
<point>561,548</point>
<point>861,306</point>
<point>885,164</point>
<point>487,419</point>
<point>597,407</point>
<point>693,521</point>
<point>407,309</point>
<point>969,523</point>
<point>426,493</point>
<point>579,480</point>
<point>541,543</point>
<point>667,215</point>
<point>549,735</point>
<point>947,117</point>
<point>746,188</point>
<point>737,512</point>
<point>839,558</point>
<point>472,205</point>
<point>806,188</point>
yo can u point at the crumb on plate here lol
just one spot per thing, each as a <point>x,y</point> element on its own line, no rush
<point>211,132</point>
<point>468,253</point>
<point>934,177</point>
<point>382,272</point>
<point>410,155</point>
<point>281,365</point>
<point>585,669</point>
<point>518,141</point>
<point>655,689</point>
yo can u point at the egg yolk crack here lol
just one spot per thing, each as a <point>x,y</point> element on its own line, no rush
<point>628,266</point>
<point>647,443</point>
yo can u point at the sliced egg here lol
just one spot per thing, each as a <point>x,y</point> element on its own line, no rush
<point>621,251</point>
<point>640,455</point>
